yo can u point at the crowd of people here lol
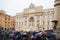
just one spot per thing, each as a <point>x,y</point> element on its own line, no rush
<point>15,35</point>
<point>21,36</point>
<point>29,36</point>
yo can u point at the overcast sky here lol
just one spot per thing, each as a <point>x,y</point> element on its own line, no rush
<point>15,6</point>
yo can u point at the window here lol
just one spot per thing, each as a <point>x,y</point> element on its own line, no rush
<point>5,18</point>
<point>53,14</point>
<point>9,18</point>
<point>5,21</point>
<point>19,23</point>
<point>43,22</point>
<point>17,17</point>
<point>22,23</point>
<point>48,22</point>
<point>1,14</point>
<point>38,26</point>
<point>25,21</point>
<point>37,20</point>
<point>8,22</point>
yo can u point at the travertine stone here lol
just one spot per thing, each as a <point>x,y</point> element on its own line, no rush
<point>34,18</point>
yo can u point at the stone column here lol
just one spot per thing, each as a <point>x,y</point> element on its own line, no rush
<point>57,12</point>
<point>57,17</point>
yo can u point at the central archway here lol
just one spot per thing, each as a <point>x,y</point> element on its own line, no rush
<point>31,19</point>
<point>31,23</point>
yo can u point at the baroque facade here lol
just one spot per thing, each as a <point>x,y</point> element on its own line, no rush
<point>34,18</point>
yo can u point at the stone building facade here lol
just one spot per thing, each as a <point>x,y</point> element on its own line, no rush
<point>4,20</point>
<point>12,21</point>
<point>35,18</point>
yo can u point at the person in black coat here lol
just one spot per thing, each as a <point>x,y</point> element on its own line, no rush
<point>1,35</point>
<point>38,37</point>
<point>25,37</point>
<point>19,36</point>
